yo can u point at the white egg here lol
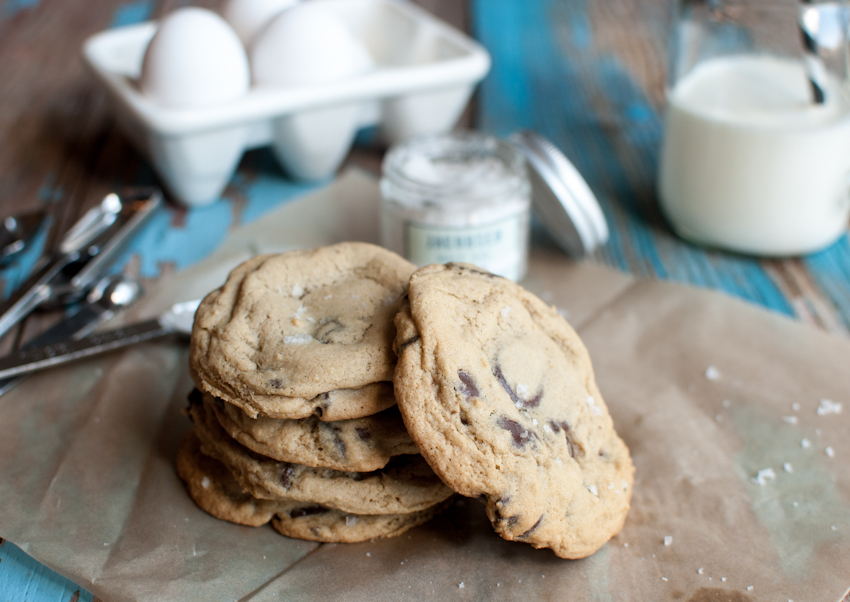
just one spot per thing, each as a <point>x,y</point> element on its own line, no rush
<point>307,44</point>
<point>248,17</point>
<point>195,59</point>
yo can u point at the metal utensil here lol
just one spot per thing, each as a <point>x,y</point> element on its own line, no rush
<point>137,206</point>
<point>82,254</point>
<point>73,282</point>
<point>17,231</point>
<point>109,296</point>
<point>177,320</point>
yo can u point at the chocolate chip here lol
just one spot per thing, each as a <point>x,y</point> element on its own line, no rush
<point>307,511</point>
<point>501,519</point>
<point>521,436</point>
<point>318,411</point>
<point>469,389</point>
<point>407,343</point>
<point>518,401</point>
<point>338,442</point>
<point>534,401</point>
<point>533,527</point>
<point>286,475</point>
<point>507,521</point>
<point>557,427</point>
<point>276,383</point>
<point>363,433</point>
<point>325,333</point>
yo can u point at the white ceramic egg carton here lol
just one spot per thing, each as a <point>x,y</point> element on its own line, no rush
<point>425,71</point>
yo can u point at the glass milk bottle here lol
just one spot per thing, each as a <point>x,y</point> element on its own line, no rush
<point>756,153</point>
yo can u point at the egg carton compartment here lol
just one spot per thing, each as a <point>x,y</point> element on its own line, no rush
<point>425,72</point>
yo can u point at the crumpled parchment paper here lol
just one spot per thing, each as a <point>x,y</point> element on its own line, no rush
<point>742,487</point>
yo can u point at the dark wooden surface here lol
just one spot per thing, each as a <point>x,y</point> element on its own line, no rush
<point>587,74</point>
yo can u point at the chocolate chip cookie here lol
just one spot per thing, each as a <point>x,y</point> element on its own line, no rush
<point>319,523</point>
<point>300,324</point>
<point>407,484</point>
<point>340,404</point>
<point>498,392</point>
<point>359,444</point>
<point>215,491</point>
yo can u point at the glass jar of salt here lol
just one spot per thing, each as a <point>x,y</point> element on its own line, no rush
<point>462,196</point>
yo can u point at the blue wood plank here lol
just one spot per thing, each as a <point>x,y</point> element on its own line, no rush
<point>830,270</point>
<point>130,13</point>
<point>22,579</point>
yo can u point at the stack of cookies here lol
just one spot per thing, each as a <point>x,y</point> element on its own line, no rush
<point>295,419</point>
<point>299,360</point>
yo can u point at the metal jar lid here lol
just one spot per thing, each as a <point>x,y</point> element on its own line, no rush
<point>561,197</point>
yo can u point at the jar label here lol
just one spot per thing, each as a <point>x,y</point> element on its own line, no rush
<point>497,247</point>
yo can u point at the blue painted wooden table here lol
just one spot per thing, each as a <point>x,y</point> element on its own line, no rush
<point>587,74</point>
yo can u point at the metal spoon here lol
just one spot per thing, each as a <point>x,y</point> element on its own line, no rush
<point>17,231</point>
<point>109,296</point>
<point>68,273</point>
<point>177,320</point>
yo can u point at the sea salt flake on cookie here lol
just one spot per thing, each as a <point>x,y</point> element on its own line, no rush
<point>594,408</point>
<point>298,339</point>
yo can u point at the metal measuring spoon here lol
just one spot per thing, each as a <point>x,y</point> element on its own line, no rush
<point>177,320</point>
<point>109,296</point>
<point>83,253</point>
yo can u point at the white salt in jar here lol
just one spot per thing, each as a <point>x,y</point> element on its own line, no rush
<point>461,196</point>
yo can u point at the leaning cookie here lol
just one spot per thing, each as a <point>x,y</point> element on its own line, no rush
<point>215,491</point>
<point>407,484</point>
<point>359,444</point>
<point>498,392</point>
<point>300,324</point>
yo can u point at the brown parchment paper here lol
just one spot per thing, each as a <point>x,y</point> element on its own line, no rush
<point>703,389</point>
